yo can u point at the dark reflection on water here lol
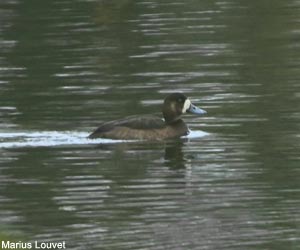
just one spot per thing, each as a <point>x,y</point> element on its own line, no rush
<point>66,66</point>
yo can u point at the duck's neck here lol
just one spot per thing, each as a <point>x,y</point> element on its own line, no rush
<point>169,116</point>
<point>172,120</point>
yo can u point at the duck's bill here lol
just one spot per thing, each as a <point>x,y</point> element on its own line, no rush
<point>195,110</point>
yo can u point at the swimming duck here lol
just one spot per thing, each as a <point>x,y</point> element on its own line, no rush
<point>147,127</point>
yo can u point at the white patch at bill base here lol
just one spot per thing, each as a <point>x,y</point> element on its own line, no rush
<point>186,105</point>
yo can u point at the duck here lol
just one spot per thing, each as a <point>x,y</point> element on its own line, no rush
<point>150,127</point>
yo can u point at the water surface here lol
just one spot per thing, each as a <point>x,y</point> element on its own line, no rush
<point>66,66</point>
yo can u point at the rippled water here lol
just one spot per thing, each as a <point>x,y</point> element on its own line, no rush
<point>54,138</point>
<point>66,66</point>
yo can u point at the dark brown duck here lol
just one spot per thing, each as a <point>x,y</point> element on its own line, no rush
<point>152,127</point>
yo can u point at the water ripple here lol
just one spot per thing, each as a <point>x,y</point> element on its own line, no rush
<point>47,138</point>
<point>56,138</point>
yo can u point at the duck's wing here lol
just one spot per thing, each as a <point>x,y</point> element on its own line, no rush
<point>142,122</point>
<point>132,122</point>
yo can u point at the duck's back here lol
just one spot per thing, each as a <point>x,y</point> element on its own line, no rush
<point>139,127</point>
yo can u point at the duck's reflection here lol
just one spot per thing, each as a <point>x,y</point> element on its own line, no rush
<point>174,156</point>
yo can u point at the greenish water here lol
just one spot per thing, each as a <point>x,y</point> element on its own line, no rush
<point>66,66</point>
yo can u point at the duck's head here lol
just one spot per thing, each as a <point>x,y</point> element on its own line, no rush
<point>177,104</point>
